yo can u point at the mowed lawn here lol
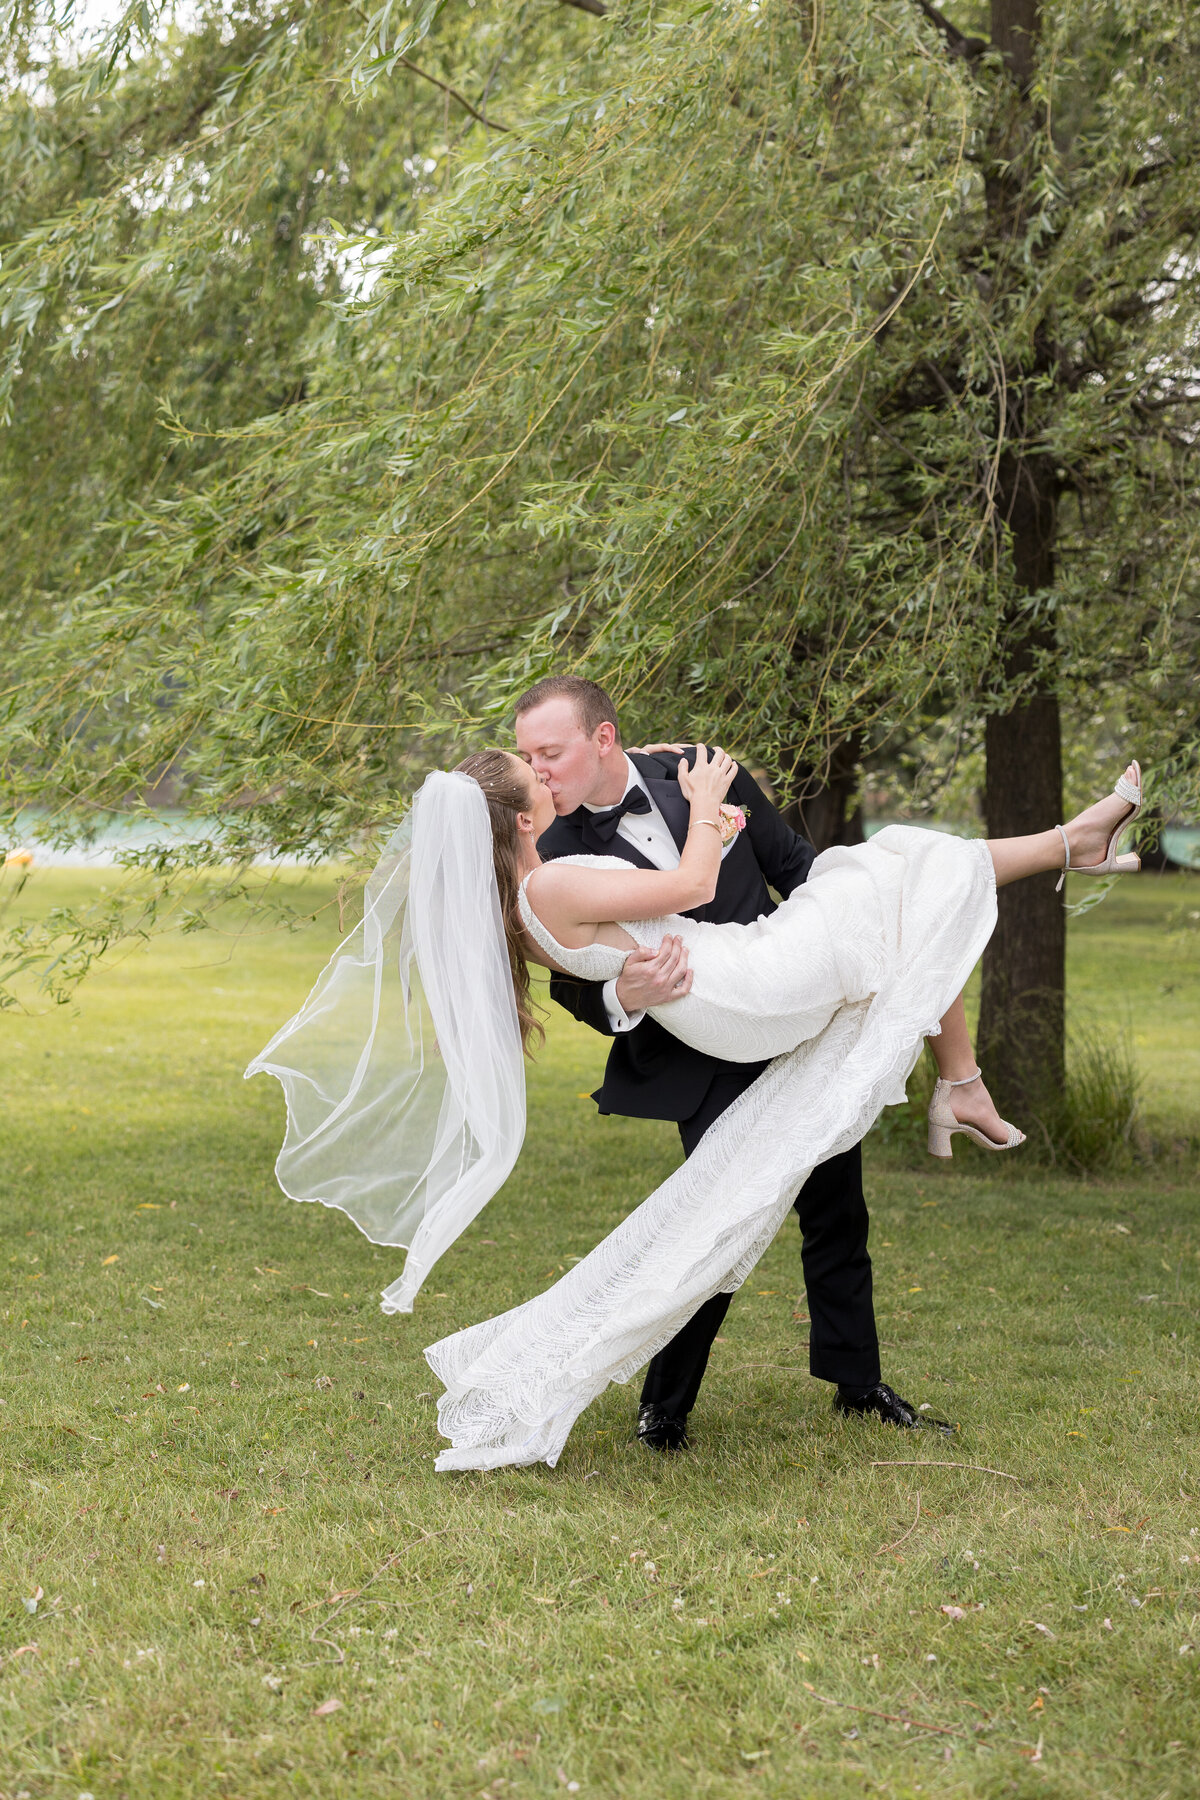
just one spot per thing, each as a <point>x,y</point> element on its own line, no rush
<point>229,1568</point>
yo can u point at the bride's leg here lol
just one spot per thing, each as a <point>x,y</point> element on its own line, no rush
<point>1014,858</point>
<point>955,1058</point>
<point>952,1051</point>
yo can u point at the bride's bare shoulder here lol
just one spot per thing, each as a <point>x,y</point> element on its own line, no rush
<point>544,875</point>
<point>566,871</point>
<point>544,883</point>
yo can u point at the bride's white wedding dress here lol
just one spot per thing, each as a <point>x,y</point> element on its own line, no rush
<point>839,986</point>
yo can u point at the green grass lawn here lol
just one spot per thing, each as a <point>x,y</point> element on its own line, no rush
<point>217,1453</point>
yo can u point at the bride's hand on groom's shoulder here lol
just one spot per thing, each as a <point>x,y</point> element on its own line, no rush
<point>710,777</point>
<point>657,749</point>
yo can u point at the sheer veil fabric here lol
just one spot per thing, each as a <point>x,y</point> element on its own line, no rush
<point>403,1071</point>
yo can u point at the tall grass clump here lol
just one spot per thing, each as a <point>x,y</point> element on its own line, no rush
<point>1090,1125</point>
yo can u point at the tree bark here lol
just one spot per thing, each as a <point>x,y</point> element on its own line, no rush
<point>1022,1024</point>
<point>1015,28</point>
<point>1022,1018</point>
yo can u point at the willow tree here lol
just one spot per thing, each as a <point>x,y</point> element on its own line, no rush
<point>686,346</point>
<point>593,408</point>
<point>1057,377</point>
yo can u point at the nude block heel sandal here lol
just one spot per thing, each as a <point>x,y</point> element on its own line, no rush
<point>1129,864</point>
<point>943,1124</point>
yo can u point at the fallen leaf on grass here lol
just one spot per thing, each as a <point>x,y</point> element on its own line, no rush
<point>326,1707</point>
<point>954,1612</point>
<point>105,1260</point>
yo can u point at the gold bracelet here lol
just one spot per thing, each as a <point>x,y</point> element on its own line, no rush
<point>711,822</point>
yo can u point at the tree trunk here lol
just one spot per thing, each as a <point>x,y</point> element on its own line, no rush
<point>1022,1012</point>
<point>829,811</point>
<point>1015,28</point>
<point>1022,1015</point>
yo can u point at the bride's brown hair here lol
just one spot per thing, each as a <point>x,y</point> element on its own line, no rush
<point>507,794</point>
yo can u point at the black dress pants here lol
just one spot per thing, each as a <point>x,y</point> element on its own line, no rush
<point>843,1345</point>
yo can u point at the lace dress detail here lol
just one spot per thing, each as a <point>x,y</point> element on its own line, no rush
<point>594,962</point>
<point>839,986</point>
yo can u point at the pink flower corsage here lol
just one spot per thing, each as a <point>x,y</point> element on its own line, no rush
<point>733,820</point>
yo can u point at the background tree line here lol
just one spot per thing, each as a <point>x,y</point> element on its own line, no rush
<point>820,377</point>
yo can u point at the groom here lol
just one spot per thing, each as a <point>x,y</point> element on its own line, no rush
<point>613,804</point>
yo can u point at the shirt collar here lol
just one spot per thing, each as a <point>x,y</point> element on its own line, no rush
<point>634,781</point>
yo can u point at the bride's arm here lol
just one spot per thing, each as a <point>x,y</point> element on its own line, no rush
<point>569,899</point>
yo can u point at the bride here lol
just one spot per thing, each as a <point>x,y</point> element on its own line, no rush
<point>404,1070</point>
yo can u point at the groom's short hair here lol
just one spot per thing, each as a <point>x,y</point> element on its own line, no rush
<point>592,705</point>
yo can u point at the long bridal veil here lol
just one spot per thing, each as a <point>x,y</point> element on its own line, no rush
<point>403,1070</point>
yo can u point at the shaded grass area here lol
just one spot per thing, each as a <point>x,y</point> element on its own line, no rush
<point>217,1453</point>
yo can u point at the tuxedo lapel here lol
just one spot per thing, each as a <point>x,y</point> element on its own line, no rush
<point>667,796</point>
<point>593,845</point>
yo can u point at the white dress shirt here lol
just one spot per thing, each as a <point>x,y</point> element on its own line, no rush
<point>649,833</point>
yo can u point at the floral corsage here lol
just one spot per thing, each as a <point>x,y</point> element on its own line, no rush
<point>733,820</point>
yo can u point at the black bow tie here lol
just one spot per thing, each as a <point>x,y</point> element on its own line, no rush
<point>604,824</point>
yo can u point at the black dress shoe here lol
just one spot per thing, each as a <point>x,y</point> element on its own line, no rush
<point>887,1405</point>
<point>661,1430</point>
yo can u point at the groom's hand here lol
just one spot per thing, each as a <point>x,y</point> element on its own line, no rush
<point>653,977</point>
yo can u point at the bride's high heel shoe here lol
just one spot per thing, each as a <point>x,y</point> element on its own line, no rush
<point>1129,864</point>
<point>943,1124</point>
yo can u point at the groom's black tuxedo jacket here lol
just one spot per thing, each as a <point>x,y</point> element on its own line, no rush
<point>650,1074</point>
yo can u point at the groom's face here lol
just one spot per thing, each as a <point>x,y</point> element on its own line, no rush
<point>574,766</point>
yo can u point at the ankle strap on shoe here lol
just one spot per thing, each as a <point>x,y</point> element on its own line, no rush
<point>967,1079</point>
<point>1058,886</point>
